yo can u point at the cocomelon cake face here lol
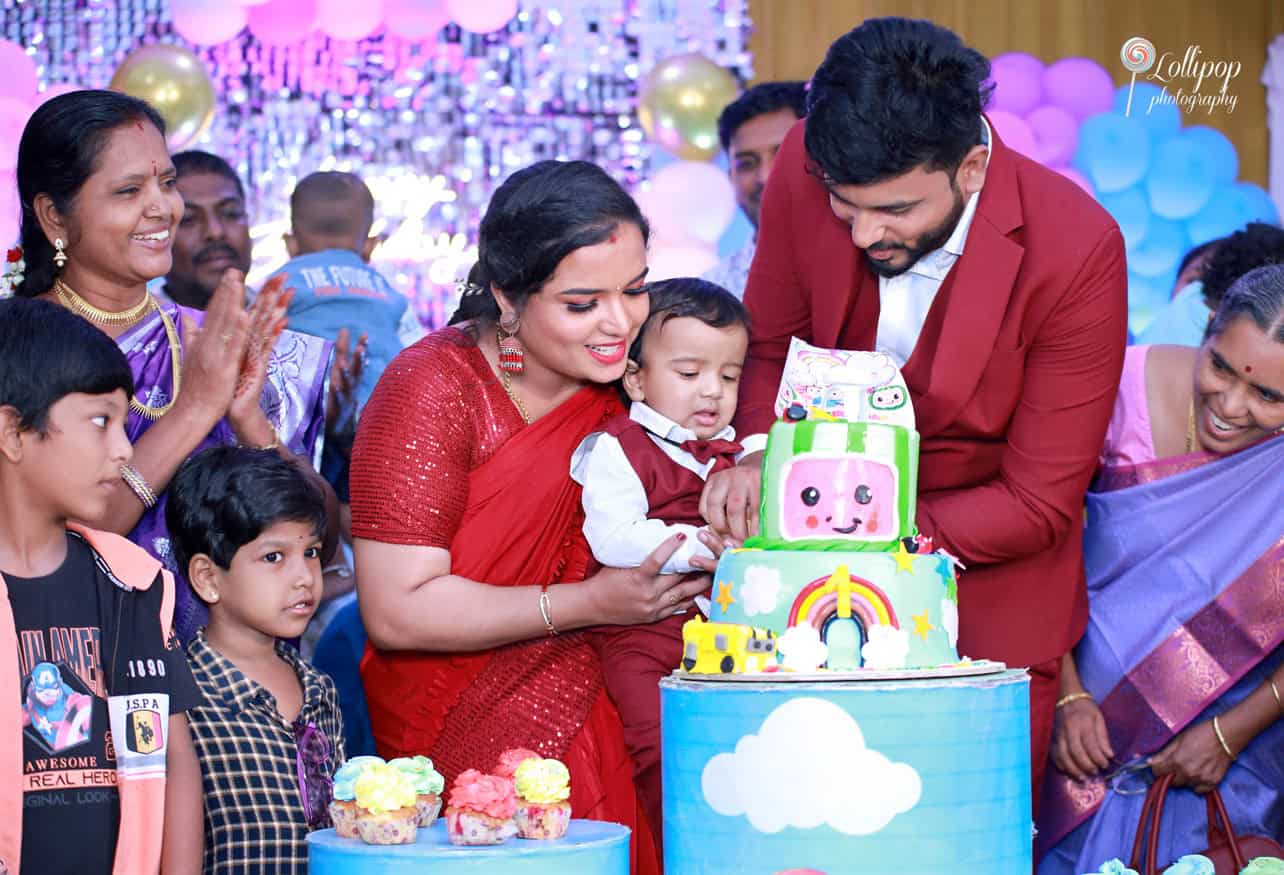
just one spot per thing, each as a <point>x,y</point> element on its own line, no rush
<point>841,497</point>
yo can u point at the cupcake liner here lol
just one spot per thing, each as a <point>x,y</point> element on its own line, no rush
<point>388,828</point>
<point>344,816</point>
<point>429,806</point>
<point>536,821</point>
<point>474,828</point>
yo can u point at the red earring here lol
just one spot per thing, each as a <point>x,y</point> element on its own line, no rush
<point>511,355</point>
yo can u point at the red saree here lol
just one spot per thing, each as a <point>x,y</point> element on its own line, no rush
<point>521,525</point>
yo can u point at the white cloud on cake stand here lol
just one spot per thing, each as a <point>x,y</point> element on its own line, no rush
<point>808,766</point>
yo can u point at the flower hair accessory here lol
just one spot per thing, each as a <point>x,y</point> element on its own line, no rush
<point>464,288</point>
<point>14,270</point>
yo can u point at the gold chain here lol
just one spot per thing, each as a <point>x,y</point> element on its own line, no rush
<point>176,365</point>
<point>1190,428</point>
<point>508,387</point>
<point>72,301</point>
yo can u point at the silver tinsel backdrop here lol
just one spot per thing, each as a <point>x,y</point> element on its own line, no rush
<point>432,125</point>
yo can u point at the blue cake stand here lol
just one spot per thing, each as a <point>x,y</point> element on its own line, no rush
<point>590,847</point>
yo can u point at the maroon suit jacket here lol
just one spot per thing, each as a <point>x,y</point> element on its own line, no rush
<point>1013,379</point>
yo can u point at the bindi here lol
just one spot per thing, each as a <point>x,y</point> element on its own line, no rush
<point>139,125</point>
<point>1248,369</point>
<point>615,236</point>
<point>154,173</point>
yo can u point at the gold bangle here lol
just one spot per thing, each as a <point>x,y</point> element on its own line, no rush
<point>546,611</point>
<point>1222,739</point>
<point>138,486</point>
<point>1072,697</point>
<point>1275,691</point>
<point>275,445</point>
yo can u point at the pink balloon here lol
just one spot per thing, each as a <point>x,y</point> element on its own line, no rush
<point>13,119</point>
<point>416,19</point>
<point>1014,133</point>
<point>1080,86</point>
<point>19,79</point>
<point>282,22</point>
<point>1056,132</point>
<point>345,20</point>
<point>691,201</point>
<point>482,16</point>
<point>1017,81</point>
<point>1077,178</point>
<point>56,91</point>
<point>207,22</point>
<point>666,261</point>
<point>10,212</point>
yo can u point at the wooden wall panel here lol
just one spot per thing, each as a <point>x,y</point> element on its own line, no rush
<point>791,37</point>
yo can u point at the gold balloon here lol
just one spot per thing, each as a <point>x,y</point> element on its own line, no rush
<point>679,102</point>
<point>175,82</point>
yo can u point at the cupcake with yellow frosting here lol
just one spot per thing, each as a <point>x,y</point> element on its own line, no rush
<point>386,800</point>
<point>343,807</point>
<point>428,784</point>
<point>480,809</point>
<point>542,786</point>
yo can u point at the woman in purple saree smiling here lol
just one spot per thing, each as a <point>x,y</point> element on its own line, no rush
<point>99,207</point>
<point>1181,669</point>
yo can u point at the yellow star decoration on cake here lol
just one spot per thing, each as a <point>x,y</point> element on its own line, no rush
<point>904,558</point>
<point>725,599</point>
<point>921,625</point>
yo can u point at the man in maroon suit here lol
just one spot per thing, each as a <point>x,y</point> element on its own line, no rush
<point>896,220</point>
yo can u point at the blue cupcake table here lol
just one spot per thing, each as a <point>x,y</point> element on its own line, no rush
<point>917,777</point>
<point>589,847</point>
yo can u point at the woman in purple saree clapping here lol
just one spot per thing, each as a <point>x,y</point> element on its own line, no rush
<point>99,208</point>
<point>1181,668</point>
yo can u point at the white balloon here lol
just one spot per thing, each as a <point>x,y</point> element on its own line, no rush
<point>690,200</point>
<point>670,260</point>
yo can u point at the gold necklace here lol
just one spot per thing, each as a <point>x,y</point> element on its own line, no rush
<point>1190,428</point>
<point>72,301</point>
<point>508,387</point>
<point>176,365</point>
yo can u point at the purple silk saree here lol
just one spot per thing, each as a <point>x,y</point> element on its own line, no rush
<point>1185,568</point>
<point>293,399</point>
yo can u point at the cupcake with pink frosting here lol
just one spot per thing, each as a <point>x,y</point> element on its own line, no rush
<point>480,809</point>
<point>509,760</point>
<point>542,786</point>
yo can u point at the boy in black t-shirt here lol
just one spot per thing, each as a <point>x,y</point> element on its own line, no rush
<point>102,774</point>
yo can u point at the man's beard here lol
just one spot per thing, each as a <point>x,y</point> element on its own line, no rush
<point>927,242</point>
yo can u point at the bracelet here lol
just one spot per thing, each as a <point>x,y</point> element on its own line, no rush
<point>1275,691</point>
<point>276,443</point>
<point>135,482</point>
<point>1222,739</point>
<point>1073,697</point>
<point>546,611</point>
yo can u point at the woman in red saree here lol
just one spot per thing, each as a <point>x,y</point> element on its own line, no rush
<point>473,571</point>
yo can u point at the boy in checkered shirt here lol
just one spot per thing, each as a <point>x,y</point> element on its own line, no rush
<point>246,527</point>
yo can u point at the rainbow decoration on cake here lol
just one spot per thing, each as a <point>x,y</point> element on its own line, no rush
<point>838,551</point>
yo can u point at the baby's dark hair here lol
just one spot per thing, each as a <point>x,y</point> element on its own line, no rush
<point>224,497</point>
<point>691,297</point>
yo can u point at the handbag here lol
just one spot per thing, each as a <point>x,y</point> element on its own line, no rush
<point>1228,852</point>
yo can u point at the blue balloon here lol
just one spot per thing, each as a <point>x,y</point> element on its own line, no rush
<point>1229,209</point>
<point>1220,151</point>
<point>1181,179</point>
<point>1160,252</point>
<point>1113,151</point>
<point>1146,297</point>
<point>1152,106</point>
<point>1131,212</point>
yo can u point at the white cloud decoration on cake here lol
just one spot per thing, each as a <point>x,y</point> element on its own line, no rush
<point>808,766</point>
<point>802,649</point>
<point>761,590</point>
<point>886,648</point>
<point>950,620</point>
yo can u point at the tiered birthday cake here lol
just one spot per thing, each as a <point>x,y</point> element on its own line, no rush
<point>821,720</point>
<point>839,562</point>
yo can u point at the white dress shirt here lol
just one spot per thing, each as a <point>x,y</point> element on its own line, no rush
<point>732,272</point>
<point>616,505</point>
<point>906,299</point>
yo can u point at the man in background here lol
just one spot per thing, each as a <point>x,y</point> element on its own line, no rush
<point>214,233</point>
<point>752,128</point>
